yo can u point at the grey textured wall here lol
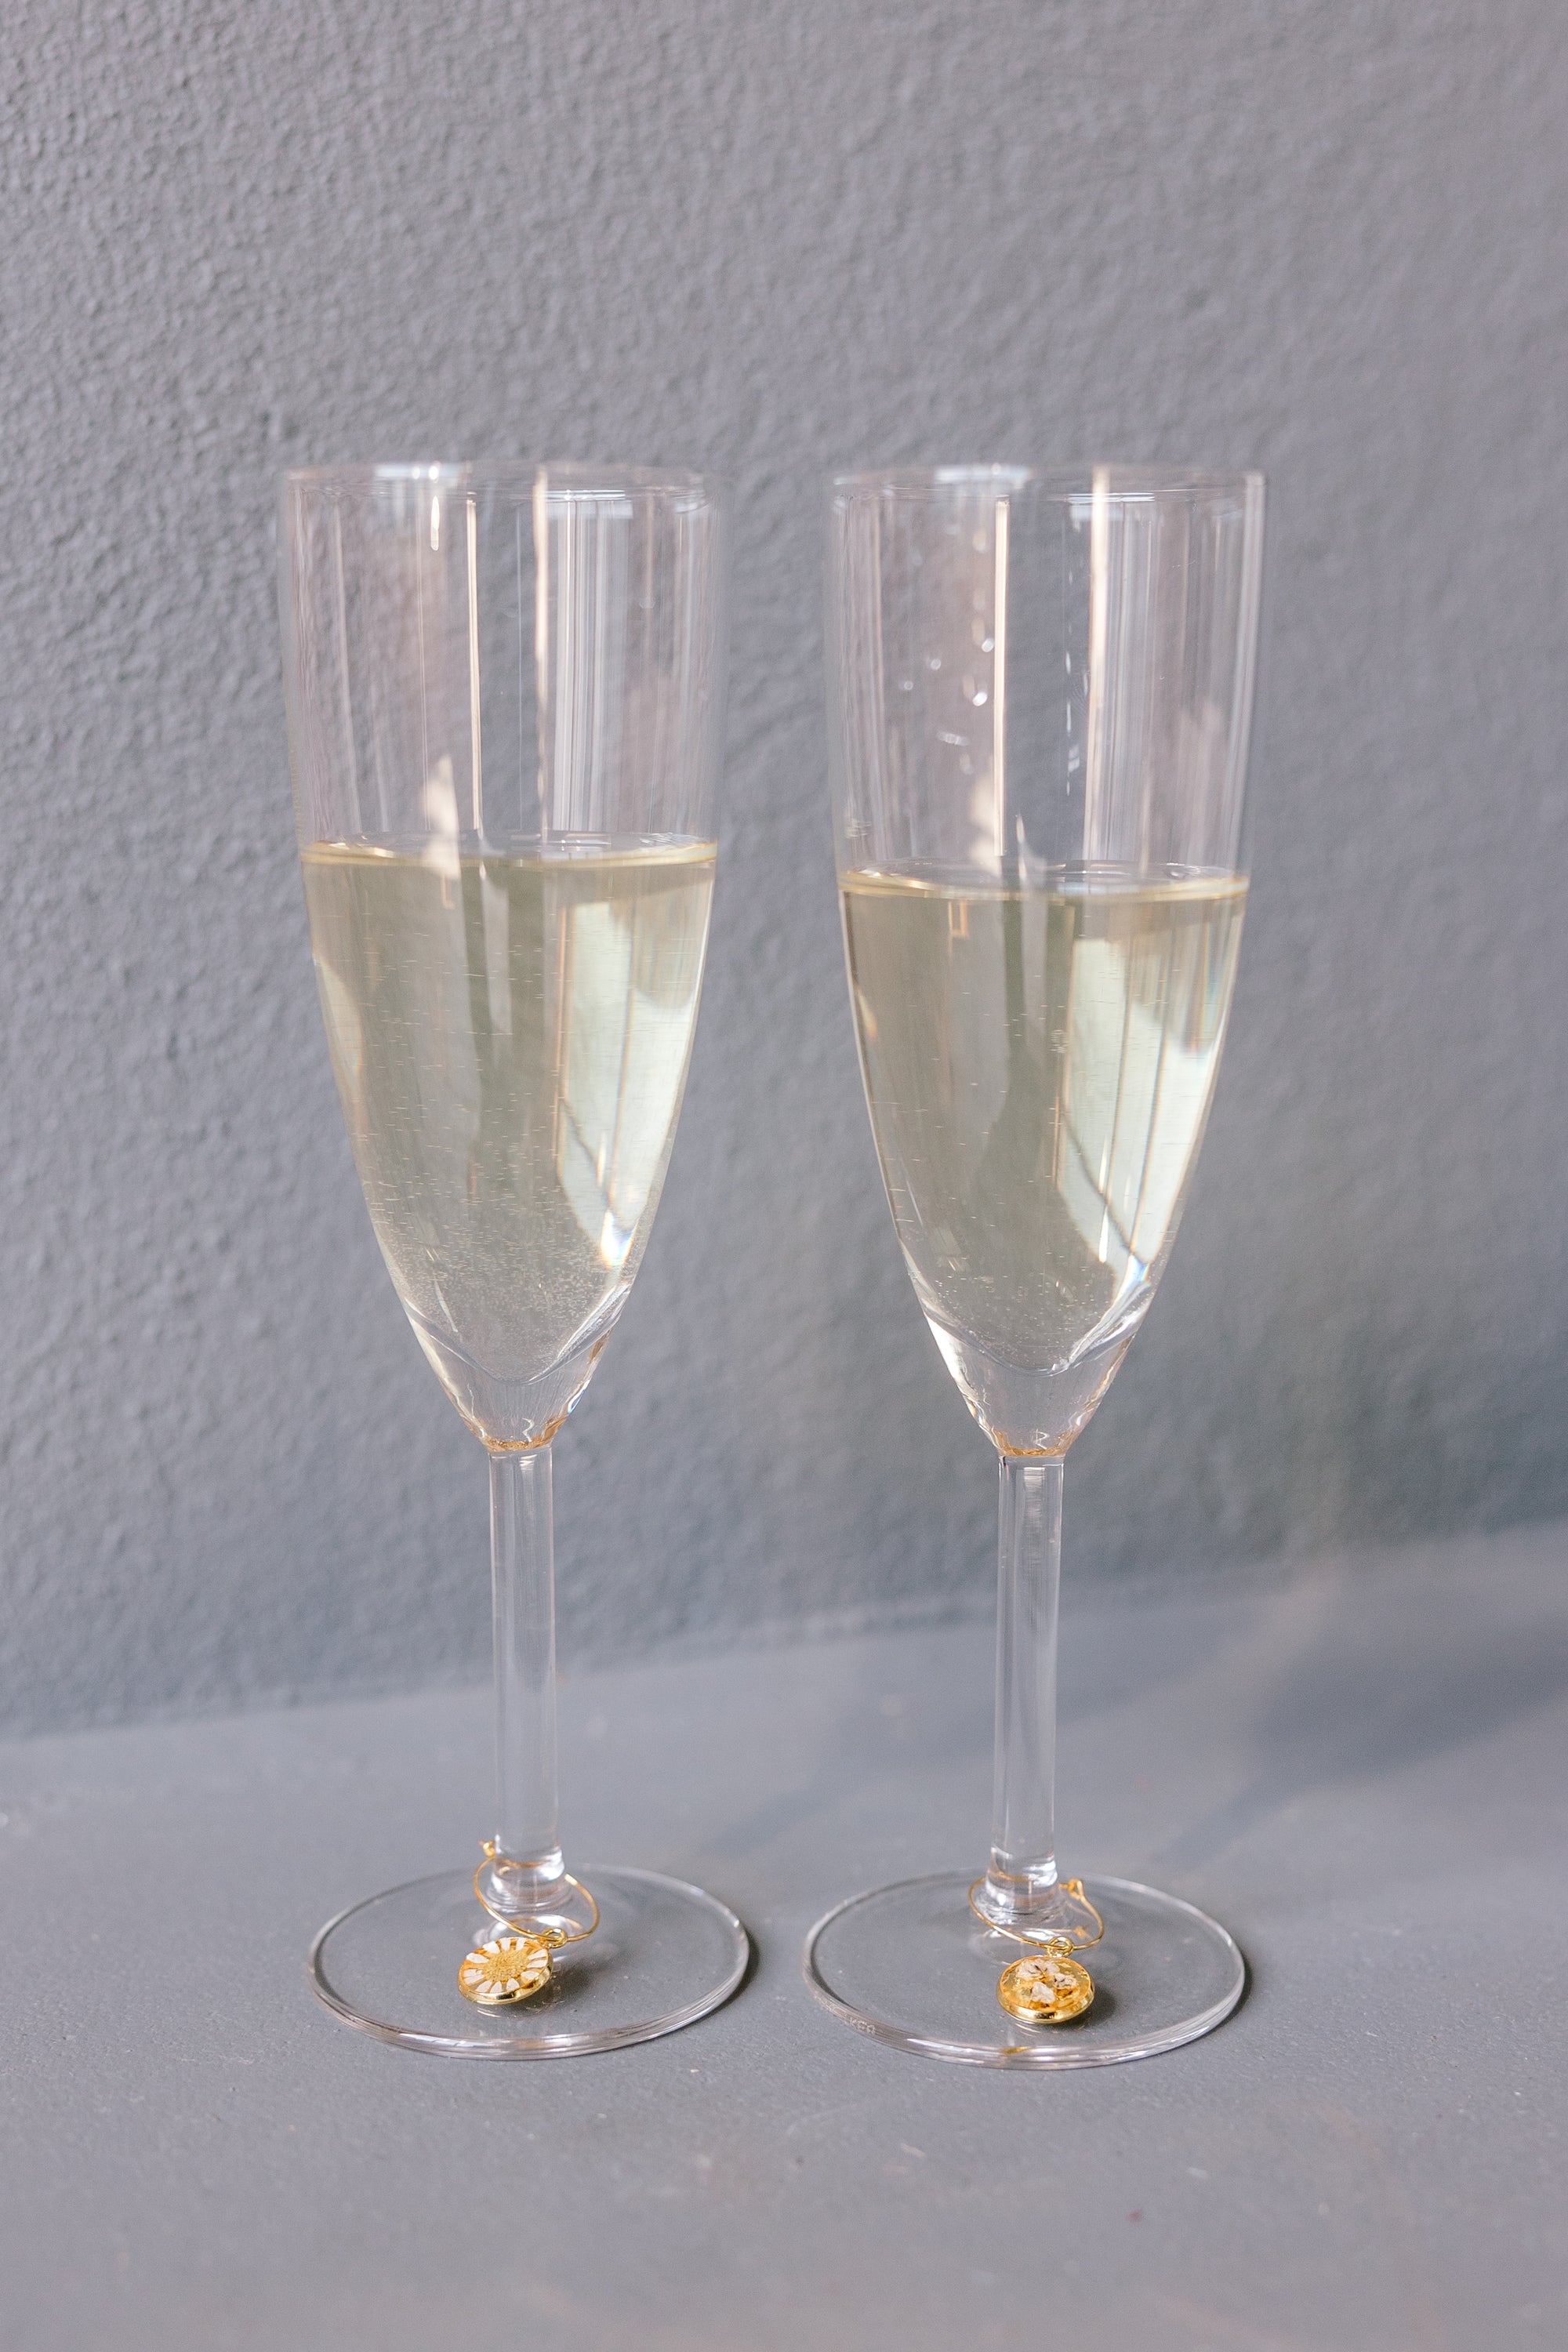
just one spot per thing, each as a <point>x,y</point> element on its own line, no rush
<point>765,238</point>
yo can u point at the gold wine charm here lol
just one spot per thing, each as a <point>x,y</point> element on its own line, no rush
<point>515,1965</point>
<point>507,1969</point>
<point>1048,1986</point>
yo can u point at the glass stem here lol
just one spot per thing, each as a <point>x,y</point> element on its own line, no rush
<point>1021,1883</point>
<point>522,1562</point>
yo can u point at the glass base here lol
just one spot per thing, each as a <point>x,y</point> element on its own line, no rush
<point>912,1965</point>
<point>663,1956</point>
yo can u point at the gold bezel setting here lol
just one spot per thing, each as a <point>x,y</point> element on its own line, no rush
<point>1046,1988</point>
<point>507,1969</point>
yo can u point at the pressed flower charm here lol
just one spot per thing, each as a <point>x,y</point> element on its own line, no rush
<point>1047,1988</point>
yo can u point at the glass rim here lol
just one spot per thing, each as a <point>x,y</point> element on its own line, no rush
<point>573,478</point>
<point>1126,481</point>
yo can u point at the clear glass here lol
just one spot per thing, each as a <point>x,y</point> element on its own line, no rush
<point>505,691</point>
<point>1040,690</point>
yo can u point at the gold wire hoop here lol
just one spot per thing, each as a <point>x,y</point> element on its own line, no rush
<point>553,1936</point>
<point>1073,1887</point>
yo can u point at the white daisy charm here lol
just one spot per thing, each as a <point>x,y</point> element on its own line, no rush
<point>508,1967</point>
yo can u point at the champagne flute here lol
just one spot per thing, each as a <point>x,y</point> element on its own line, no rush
<point>505,688</point>
<point>1041,689</point>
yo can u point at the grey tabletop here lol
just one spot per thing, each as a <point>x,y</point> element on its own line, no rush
<point>1359,1770</point>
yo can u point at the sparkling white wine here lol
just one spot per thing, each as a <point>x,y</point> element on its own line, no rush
<point>1040,1065</point>
<point>510,1036</point>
